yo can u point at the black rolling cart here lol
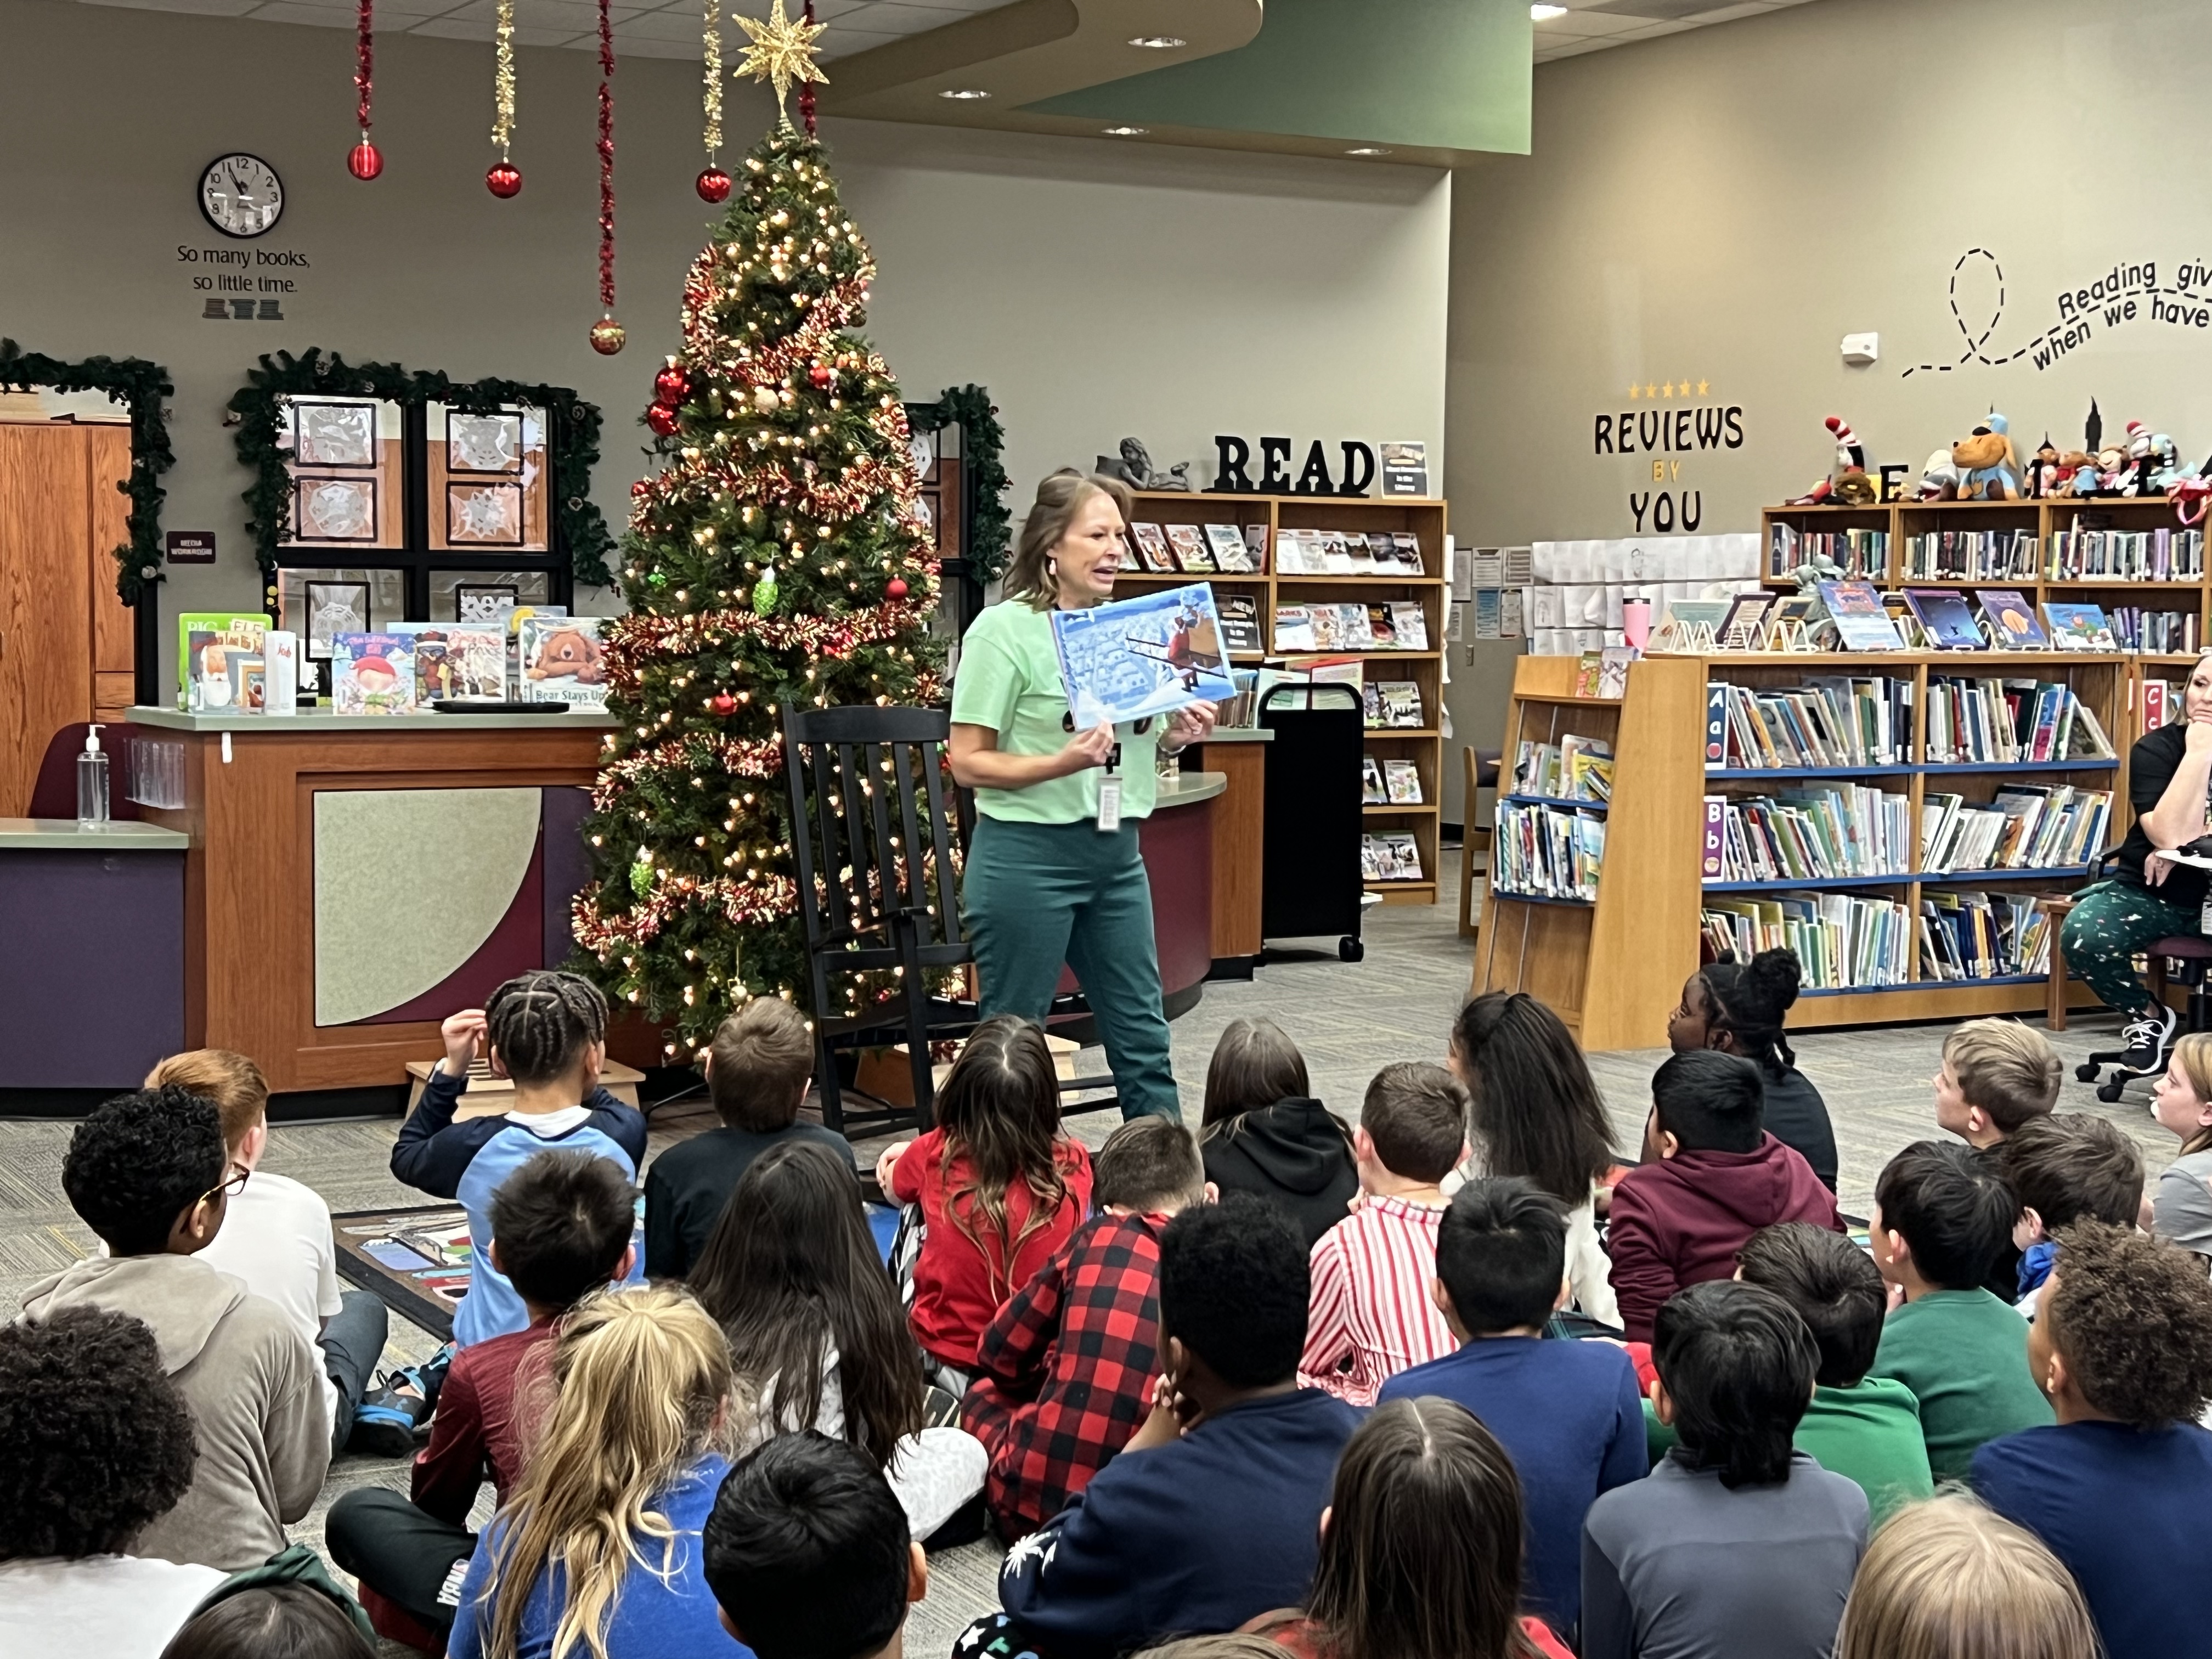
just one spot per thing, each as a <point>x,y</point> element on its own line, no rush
<point>1310,882</point>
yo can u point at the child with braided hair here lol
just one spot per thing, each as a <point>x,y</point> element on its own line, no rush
<point>1738,1007</point>
<point>548,1032</point>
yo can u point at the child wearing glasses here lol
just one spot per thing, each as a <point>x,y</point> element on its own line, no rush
<point>148,1172</point>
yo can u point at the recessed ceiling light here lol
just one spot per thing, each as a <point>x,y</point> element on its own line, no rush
<point>1126,132</point>
<point>1368,150</point>
<point>1159,42</point>
<point>964,93</point>
<point>1544,14</point>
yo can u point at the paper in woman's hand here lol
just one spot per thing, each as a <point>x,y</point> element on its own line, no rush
<point>1150,656</point>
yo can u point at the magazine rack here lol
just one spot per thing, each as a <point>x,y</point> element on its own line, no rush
<point>1310,876</point>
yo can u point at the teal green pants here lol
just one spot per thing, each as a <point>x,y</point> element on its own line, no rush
<point>1035,895</point>
<point>2108,927</point>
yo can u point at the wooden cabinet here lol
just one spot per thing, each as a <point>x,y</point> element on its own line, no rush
<point>65,639</point>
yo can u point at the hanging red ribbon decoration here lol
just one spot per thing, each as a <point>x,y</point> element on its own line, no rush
<point>365,160</point>
<point>806,87</point>
<point>606,333</point>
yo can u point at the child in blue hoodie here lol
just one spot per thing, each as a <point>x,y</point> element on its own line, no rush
<point>547,1032</point>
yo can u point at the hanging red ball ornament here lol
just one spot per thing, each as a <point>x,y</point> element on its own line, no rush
<point>723,704</point>
<point>365,160</point>
<point>671,386</point>
<point>503,179</point>
<point>607,337</point>
<point>820,374</point>
<point>895,588</point>
<point>661,419</point>
<point>713,186</point>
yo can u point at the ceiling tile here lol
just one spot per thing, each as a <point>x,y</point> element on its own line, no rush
<point>638,47</point>
<point>843,43</point>
<point>205,8</point>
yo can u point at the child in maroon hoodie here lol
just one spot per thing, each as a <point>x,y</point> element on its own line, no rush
<point>1712,1177</point>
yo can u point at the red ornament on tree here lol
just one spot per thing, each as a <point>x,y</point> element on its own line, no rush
<point>504,179</point>
<point>820,374</point>
<point>713,186</point>
<point>661,419</point>
<point>365,160</point>
<point>671,386</point>
<point>895,588</point>
<point>723,704</point>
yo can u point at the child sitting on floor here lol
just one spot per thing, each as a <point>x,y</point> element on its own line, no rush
<point>758,1070</point>
<point>560,1229</point>
<point>1568,1413</point>
<point>1262,1132</point>
<point>2119,1487</point>
<point>1941,1214</point>
<point>1946,1579</point>
<point>1064,1375</point>
<point>1373,1314</point>
<point>1210,1515</point>
<point>276,1238</point>
<point>2065,1167</point>
<point>1865,1427</point>
<point>1997,1075</point>
<point>1713,1177</point>
<point>1000,1188</point>
<point>808,1554</point>
<point>817,1339</point>
<point>1738,1008</point>
<point>1734,1544</point>
<point>547,1032</point>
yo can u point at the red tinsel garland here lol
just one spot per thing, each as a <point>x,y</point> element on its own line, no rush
<point>768,897</point>
<point>629,636</point>
<point>364,61</point>
<point>806,88</point>
<point>606,159</point>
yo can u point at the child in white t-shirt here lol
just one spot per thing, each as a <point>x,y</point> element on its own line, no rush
<point>276,1238</point>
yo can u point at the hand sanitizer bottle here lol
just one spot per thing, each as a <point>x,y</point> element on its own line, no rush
<point>91,783</point>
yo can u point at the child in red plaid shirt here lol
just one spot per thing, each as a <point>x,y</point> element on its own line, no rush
<point>1065,1371</point>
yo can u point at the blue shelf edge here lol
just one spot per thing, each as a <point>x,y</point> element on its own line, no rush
<point>1925,879</point>
<point>1737,773</point>
<point>1929,985</point>
<point>1541,898</point>
<point>1566,802</point>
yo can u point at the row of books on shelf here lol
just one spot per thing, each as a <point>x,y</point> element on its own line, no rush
<point>1972,556</point>
<point>1847,830</point>
<point>2166,554</point>
<point>1855,552</point>
<point>2026,826</point>
<point>1384,704</point>
<point>1546,852</point>
<point>1228,550</point>
<point>1396,625</point>
<point>1576,767</point>
<point>1835,721</point>
<point>1847,941</point>
<point>2135,628</point>
<point>2006,722</point>
<point>1390,857</point>
<point>1389,782</point>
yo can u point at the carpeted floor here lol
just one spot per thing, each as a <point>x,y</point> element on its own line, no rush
<point>1350,1020</point>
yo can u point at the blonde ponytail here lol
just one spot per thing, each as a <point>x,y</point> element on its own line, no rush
<point>640,1379</point>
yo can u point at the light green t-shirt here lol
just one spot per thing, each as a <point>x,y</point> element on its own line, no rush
<point>1009,680</point>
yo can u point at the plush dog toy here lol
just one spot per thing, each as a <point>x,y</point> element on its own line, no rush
<point>1988,468</point>
<point>570,651</point>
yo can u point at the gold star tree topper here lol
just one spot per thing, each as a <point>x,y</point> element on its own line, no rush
<point>782,51</point>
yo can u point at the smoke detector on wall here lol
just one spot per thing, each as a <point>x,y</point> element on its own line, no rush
<point>1861,349</point>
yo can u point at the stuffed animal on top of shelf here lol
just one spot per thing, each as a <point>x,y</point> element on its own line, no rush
<point>2165,468</point>
<point>2087,474</point>
<point>2046,473</point>
<point>1939,479</point>
<point>2191,492</point>
<point>1988,468</point>
<point>1847,483</point>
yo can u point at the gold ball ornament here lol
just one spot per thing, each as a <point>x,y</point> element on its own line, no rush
<point>764,399</point>
<point>607,337</point>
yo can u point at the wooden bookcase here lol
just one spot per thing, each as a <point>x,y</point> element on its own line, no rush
<point>1425,520</point>
<point>1613,969</point>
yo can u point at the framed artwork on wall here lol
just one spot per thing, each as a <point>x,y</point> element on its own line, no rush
<point>334,608</point>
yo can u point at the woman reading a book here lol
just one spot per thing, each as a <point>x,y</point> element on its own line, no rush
<point>2147,896</point>
<point>1053,874</point>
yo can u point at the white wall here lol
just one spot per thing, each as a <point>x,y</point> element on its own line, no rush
<point>1097,289</point>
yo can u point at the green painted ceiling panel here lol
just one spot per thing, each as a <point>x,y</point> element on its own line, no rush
<point>1449,74</point>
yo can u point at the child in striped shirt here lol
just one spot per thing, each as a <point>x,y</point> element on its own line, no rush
<point>1372,1315</point>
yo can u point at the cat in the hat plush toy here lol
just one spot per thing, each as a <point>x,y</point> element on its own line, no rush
<point>1847,483</point>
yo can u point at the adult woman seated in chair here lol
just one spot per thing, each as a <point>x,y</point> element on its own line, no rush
<point>2147,898</point>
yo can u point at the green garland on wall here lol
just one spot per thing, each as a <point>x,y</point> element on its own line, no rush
<point>142,387</point>
<point>990,535</point>
<point>574,435</point>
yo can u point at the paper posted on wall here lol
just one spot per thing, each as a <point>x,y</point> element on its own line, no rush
<point>1150,655</point>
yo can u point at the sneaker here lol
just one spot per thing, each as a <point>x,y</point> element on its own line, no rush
<point>2149,1038</point>
<point>387,1422</point>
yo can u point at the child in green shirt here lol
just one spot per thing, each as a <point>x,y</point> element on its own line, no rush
<point>1941,1215</point>
<point>1865,1427</point>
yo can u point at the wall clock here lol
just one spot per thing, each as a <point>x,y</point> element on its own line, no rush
<point>241,196</point>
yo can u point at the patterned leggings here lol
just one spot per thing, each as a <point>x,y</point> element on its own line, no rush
<point>2109,927</point>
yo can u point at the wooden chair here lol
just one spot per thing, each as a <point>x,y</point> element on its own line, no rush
<point>2057,907</point>
<point>873,826</point>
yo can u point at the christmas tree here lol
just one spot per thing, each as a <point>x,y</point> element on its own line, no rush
<point>781,555</point>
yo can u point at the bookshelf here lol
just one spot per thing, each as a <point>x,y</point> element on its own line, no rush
<point>1613,966</point>
<point>1425,520</point>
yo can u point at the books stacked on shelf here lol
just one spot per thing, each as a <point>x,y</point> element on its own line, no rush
<point>1372,792</point>
<point>1974,935</point>
<point>1856,552</point>
<point>1985,722</point>
<point>1574,768</point>
<point>2025,827</point>
<point>1225,542</point>
<point>1239,617</point>
<point>2079,626</point>
<point>1830,721</point>
<point>2165,555</point>
<point>1348,553</point>
<point>1402,780</point>
<point>1967,555</point>
<point>1391,857</point>
<point>1546,852</point>
<point>1150,544</point>
<point>1843,939</point>
<point>2162,703</point>
<point>1811,835</point>
<point>1188,542</point>
<point>1394,704</point>
<point>2154,631</point>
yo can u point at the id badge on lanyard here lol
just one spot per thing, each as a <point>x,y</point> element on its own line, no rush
<point>1109,795</point>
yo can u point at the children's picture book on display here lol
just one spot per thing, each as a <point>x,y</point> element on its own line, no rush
<point>2079,626</point>
<point>1188,542</point>
<point>1403,779</point>
<point>561,661</point>
<point>1372,792</point>
<point>373,673</point>
<point>1946,618</point>
<point>1856,609</point>
<point>1256,547</point>
<point>1128,659</point>
<point>1240,623</point>
<point>1744,627</point>
<point>1152,546</point>
<point>207,640</point>
<point>1226,543</point>
<point>2011,617</point>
